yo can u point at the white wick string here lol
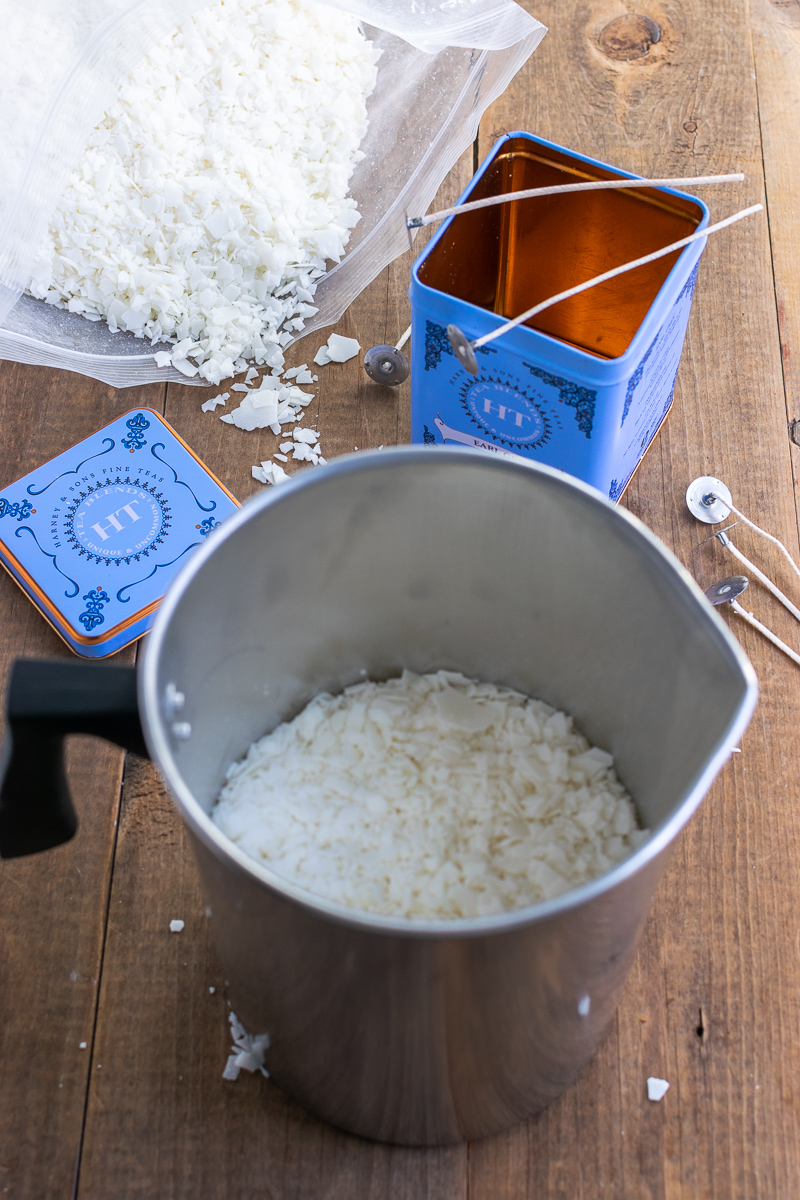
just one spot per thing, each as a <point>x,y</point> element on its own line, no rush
<point>629,266</point>
<point>763,533</point>
<point>561,188</point>
<point>776,641</point>
<point>403,339</point>
<point>767,582</point>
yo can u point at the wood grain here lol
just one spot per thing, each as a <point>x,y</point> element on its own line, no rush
<point>712,1003</point>
<point>52,906</point>
<point>776,45</point>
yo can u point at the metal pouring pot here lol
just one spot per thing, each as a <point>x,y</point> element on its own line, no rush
<point>415,1032</point>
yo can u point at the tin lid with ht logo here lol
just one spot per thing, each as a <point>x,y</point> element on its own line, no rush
<point>95,535</point>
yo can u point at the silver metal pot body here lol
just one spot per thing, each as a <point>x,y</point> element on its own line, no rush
<point>430,1032</point>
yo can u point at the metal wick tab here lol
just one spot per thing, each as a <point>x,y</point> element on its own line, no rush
<point>386,364</point>
<point>462,348</point>
<point>727,590</point>
<point>709,500</point>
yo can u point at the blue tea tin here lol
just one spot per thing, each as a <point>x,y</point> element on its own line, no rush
<point>95,536</point>
<point>586,389</point>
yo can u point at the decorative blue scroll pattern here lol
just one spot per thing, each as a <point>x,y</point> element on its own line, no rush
<point>582,399</point>
<point>21,509</point>
<point>437,343</point>
<point>135,439</point>
<point>688,287</point>
<point>160,446</point>
<point>635,379</point>
<point>52,557</point>
<point>206,526</point>
<point>93,615</point>
<point>109,444</point>
<point>158,567</point>
<point>616,489</point>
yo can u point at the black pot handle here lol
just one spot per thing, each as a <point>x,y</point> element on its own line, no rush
<point>48,699</point>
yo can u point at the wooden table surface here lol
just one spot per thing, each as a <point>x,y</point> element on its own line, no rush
<point>713,1001</point>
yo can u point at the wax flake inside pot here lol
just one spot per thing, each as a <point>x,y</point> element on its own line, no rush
<point>430,796</point>
<point>216,188</point>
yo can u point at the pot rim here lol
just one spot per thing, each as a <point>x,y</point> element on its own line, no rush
<point>203,827</point>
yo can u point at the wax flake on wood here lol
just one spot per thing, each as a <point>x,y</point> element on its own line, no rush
<point>656,1088</point>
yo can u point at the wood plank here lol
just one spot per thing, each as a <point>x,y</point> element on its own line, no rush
<point>52,906</point>
<point>160,1119</point>
<point>720,941</point>
<point>719,954</point>
<point>776,45</point>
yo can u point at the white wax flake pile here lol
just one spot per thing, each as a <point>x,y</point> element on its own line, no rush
<point>429,796</point>
<point>300,374</point>
<point>247,1052</point>
<point>656,1088</point>
<point>269,472</point>
<point>215,189</point>
<point>337,349</point>
<point>210,405</point>
<point>176,926</point>
<point>305,447</point>
<point>268,406</point>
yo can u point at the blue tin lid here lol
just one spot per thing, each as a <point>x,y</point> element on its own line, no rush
<point>95,536</point>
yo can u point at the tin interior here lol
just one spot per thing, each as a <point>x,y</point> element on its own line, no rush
<point>512,256</point>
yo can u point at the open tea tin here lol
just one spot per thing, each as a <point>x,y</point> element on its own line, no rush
<point>94,536</point>
<point>588,385</point>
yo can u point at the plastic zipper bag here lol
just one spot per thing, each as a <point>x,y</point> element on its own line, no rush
<point>441,65</point>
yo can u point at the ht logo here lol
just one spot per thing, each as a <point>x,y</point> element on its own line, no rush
<point>505,413</point>
<point>112,522</point>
